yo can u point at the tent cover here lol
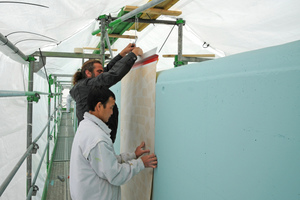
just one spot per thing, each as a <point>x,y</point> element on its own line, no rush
<point>215,27</point>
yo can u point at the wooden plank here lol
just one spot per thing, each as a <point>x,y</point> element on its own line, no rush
<point>190,55</point>
<point>92,48</point>
<point>163,5</point>
<point>157,11</point>
<point>120,36</point>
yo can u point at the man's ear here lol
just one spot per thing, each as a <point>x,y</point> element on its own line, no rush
<point>98,105</point>
<point>88,73</point>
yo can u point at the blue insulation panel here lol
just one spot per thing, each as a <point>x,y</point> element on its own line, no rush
<point>230,128</point>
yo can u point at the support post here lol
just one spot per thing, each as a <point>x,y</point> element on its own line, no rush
<point>55,126</point>
<point>102,46</point>
<point>178,60</point>
<point>180,25</point>
<point>48,135</point>
<point>29,124</point>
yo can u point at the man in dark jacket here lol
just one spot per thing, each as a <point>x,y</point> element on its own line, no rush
<point>93,74</point>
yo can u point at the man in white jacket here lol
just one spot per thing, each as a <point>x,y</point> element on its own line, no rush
<point>96,172</point>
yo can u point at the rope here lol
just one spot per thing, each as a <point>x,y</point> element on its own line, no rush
<point>166,39</point>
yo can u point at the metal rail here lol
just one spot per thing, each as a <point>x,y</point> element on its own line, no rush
<point>12,47</point>
<point>11,93</point>
<point>22,159</point>
<point>37,172</point>
<point>14,170</point>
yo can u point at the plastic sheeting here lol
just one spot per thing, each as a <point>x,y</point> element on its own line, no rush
<point>229,27</point>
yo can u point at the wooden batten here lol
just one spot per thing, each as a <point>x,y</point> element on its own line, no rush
<point>93,48</point>
<point>190,55</point>
<point>165,5</point>
<point>120,36</point>
<point>155,11</point>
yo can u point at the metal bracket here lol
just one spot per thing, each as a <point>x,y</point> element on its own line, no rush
<point>102,17</point>
<point>178,63</point>
<point>35,98</point>
<point>51,80</point>
<point>35,148</point>
<point>180,21</point>
<point>40,64</point>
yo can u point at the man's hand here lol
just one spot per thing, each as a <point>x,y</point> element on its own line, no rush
<point>140,151</point>
<point>127,49</point>
<point>150,161</point>
<point>137,51</point>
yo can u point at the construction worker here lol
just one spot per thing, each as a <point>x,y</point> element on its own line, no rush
<point>93,74</point>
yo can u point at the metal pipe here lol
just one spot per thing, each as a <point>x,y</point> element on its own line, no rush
<point>64,81</point>
<point>38,137</point>
<point>135,12</point>
<point>49,119</point>
<point>7,93</point>
<point>65,55</point>
<point>180,25</point>
<point>13,47</point>
<point>108,44</point>
<point>15,169</point>
<point>102,44</point>
<point>55,97</point>
<point>29,125</point>
<point>194,59</point>
<point>18,165</point>
<point>37,172</point>
<point>64,75</point>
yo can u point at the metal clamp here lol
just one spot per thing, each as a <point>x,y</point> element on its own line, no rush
<point>178,63</point>
<point>35,189</point>
<point>180,21</point>
<point>35,148</point>
<point>35,98</point>
<point>51,80</point>
<point>50,137</point>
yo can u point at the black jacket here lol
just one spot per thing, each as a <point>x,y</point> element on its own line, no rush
<point>115,70</point>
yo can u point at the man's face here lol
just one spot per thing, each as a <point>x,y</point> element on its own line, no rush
<point>105,113</point>
<point>98,69</point>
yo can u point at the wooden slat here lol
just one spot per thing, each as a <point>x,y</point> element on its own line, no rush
<point>92,48</point>
<point>120,36</point>
<point>163,5</point>
<point>156,11</point>
<point>190,55</point>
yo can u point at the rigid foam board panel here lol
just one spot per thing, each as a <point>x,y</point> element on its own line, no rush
<point>230,128</point>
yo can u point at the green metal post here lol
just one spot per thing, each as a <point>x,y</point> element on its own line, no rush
<point>29,124</point>
<point>48,148</point>
<point>49,111</point>
<point>180,25</point>
<point>103,32</point>
<point>55,85</point>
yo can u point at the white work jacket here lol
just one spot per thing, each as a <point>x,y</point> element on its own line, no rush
<point>96,172</point>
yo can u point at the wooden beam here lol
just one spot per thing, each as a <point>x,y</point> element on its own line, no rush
<point>156,11</point>
<point>190,55</point>
<point>120,36</point>
<point>165,5</point>
<point>92,48</point>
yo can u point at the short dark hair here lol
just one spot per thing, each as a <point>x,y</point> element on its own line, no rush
<point>88,65</point>
<point>99,94</point>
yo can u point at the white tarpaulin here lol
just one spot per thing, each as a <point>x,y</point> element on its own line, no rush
<point>229,27</point>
